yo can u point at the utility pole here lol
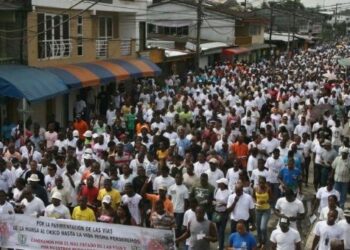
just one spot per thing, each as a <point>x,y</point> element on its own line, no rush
<point>294,10</point>
<point>198,39</point>
<point>271,26</point>
<point>336,14</point>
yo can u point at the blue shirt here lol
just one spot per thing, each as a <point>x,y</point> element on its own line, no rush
<point>291,177</point>
<point>238,241</point>
<point>297,161</point>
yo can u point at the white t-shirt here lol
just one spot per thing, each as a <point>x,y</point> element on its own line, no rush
<point>133,205</point>
<point>322,194</point>
<point>243,205</point>
<point>285,241</point>
<point>256,173</point>
<point>214,176</point>
<point>269,146</point>
<point>325,210</point>
<point>346,229</point>
<point>252,163</point>
<point>33,208</point>
<point>232,176</point>
<point>327,233</point>
<point>59,212</point>
<point>7,208</point>
<point>221,199</point>
<point>160,181</point>
<point>178,193</point>
<point>274,166</point>
<point>200,168</point>
<point>111,116</point>
<point>188,217</point>
<point>290,209</point>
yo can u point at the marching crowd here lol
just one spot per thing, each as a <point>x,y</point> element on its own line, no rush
<point>229,146</point>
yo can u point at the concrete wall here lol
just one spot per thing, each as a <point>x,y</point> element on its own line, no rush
<point>259,39</point>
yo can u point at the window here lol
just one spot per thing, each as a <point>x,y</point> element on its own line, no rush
<point>163,30</point>
<point>80,36</point>
<point>254,30</point>
<point>105,27</point>
<point>53,36</point>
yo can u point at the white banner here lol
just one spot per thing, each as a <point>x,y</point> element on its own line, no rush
<point>24,232</point>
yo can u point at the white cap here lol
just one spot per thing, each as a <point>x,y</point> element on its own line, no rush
<point>95,135</point>
<point>222,180</point>
<point>172,142</point>
<point>33,177</point>
<point>75,133</point>
<point>107,199</point>
<point>88,133</point>
<point>57,196</point>
<point>344,150</point>
<point>213,160</point>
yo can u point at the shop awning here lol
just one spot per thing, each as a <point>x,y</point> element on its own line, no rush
<point>235,51</point>
<point>33,84</point>
<point>105,71</point>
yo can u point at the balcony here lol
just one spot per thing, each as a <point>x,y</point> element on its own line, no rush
<point>55,49</point>
<point>243,40</point>
<point>110,48</point>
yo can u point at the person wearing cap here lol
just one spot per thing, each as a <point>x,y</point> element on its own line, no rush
<point>62,190</point>
<point>213,172</point>
<point>327,231</point>
<point>109,190</point>
<point>81,126</point>
<point>341,174</point>
<point>82,212</point>
<point>37,189</point>
<point>327,157</point>
<point>106,213</point>
<point>220,215</point>
<point>284,237</point>
<point>34,170</point>
<point>345,225</point>
<point>57,210</point>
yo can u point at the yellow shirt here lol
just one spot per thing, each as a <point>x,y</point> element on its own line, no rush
<point>262,200</point>
<point>83,215</point>
<point>115,195</point>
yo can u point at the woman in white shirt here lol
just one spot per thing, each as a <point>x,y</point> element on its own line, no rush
<point>220,215</point>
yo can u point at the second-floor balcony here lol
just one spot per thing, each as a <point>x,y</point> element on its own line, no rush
<point>55,49</point>
<point>109,48</point>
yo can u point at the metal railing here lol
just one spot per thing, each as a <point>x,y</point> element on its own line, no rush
<point>125,47</point>
<point>101,48</point>
<point>53,49</point>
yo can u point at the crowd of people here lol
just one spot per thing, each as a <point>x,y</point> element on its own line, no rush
<point>233,143</point>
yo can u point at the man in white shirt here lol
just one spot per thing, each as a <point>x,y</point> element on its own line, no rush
<point>323,193</point>
<point>240,206</point>
<point>163,180</point>
<point>284,237</point>
<point>345,225</point>
<point>201,165</point>
<point>5,207</point>
<point>290,207</point>
<point>274,164</point>
<point>132,200</point>
<point>179,196</point>
<point>327,231</point>
<point>31,205</point>
<point>6,177</point>
<point>57,210</point>
<point>213,172</point>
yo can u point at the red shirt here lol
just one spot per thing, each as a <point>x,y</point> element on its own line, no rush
<point>90,193</point>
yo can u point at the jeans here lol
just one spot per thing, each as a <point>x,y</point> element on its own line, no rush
<point>325,172</point>
<point>342,188</point>
<point>179,218</point>
<point>221,226</point>
<point>262,218</point>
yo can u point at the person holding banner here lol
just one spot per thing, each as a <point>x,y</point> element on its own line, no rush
<point>57,210</point>
<point>82,211</point>
<point>5,206</point>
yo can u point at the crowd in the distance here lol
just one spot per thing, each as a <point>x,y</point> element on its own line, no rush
<point>226,147</point>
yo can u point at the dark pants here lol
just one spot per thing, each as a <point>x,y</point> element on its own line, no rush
<point>221,226</point>
<point>234,224</point>
<point>325,172</point>
<point>179,218</point>
<point>276,193</point>
<point>317,175</point>
<point>306,168</point>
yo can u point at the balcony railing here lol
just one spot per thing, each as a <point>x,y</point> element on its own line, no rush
<point>53,49</point>
<point>101,48</point>
<point>125,47</point>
